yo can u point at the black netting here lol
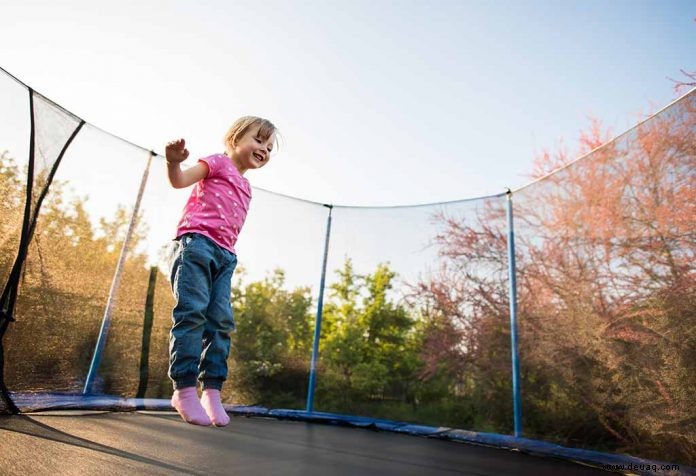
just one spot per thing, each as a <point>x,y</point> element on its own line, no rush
<point>51,131</point>
<point>403,317</point>
<point>71,263</point>
<point>14,156</point>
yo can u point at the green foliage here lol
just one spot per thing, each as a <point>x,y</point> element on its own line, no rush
<point>271,343</point>
<point>367,346</point>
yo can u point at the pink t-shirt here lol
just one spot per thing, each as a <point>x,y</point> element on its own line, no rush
<point>218,204</point>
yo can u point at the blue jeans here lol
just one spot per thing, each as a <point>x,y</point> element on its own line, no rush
<point>199,342</point>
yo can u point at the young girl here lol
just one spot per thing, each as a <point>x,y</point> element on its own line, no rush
<point>204,261</point>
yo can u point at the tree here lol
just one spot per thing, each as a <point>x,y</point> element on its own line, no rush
<point>684,84</point>
<point>63,292</point>
<point>270,351</point>
<point>12,212</point>
<point>367,345</point>
<point>606,283</point>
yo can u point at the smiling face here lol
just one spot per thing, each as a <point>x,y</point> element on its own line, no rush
<point>251,150</point>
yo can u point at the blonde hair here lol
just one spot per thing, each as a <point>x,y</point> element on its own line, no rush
<point>242,125</point>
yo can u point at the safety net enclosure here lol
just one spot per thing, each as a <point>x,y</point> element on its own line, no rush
<point>606,253</point>
<point>563,311</point>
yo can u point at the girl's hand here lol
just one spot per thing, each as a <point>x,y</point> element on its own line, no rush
<point>176,151</point>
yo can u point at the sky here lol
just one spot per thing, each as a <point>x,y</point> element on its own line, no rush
<point>378,102</point>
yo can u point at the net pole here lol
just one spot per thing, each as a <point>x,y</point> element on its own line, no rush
<point>516,398</point>
<point>317,324</point>
<point>115,283</point>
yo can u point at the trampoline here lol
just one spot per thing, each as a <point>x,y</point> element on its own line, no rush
<point>425,364</point>
<point>155,442</point>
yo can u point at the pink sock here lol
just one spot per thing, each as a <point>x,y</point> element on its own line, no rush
<point>185,401</point>
<point>213,407</point>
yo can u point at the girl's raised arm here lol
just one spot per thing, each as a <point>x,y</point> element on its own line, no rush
<point>176,152</point>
